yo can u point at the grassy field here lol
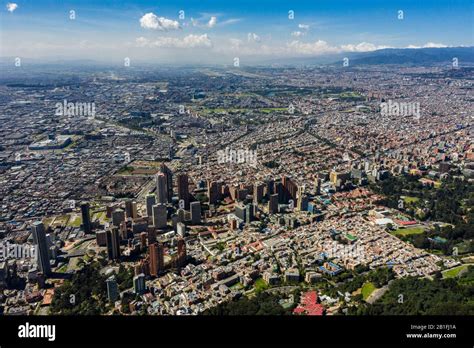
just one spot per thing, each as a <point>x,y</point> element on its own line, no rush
<point>367,289</point>
<point>408,231</point>
<point>410,199</point>
<point>76,222</point>
<point>453,272</point>
<point>260,285</point>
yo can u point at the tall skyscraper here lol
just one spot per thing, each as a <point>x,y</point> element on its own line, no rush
<point>139,284</point>
<point>289,189</point>
<point>128,209</point>
<point>42,254</point>
<point>258,192</point>
<point>249,213</point>
<point>112,289</point>
<point>150,202</point>
<point>151,235</point>
<point>159,216</point>
<point>157,261</point>
<point>240,211</point>
<point>161,188</point>
<point>169,180</point>
<point>86,218</point>
<point>213,192</point>
<point>118,215</point>
<point>273,204</point>
<point>113,243</point>
<point>183,189</point>
<point>181,229</point>
<point>195,212</point>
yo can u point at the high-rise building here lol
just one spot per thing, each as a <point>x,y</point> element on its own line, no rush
<point>258,192</point>
<point>161,188</point>
<point>213,192</point>
<point>196,212</point>
<point>169,179</point>
<point>249,213</point>
<point>86,218</point>
<point>240,211</point>
<point>289,189</point>
<point>42,253</point>
<point>124,228</point>
<point>157,261</point>
<point>112,289</point>
<point>183,189</point>
<point>118,215</point>
<point>113,243</point>
<point>159,216</point>
<point>134,210</point>
<point>303,201</point>
<point>128,209</point>
<point>181,229</point>
<point>150,202</point>
<point>151,235</point>
<point>273,204</point>
<point>139,284</point>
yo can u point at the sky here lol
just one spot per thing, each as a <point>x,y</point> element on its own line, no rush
<point>212,31</point>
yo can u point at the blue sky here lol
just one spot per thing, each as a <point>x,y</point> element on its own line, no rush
<point>213,30</point>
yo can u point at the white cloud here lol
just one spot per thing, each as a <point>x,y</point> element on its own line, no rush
<point>317,47</point>
<point>362,47</point>
<point>152,21</point>
<point>428,45</point>
<point>190,41</point>
<point>252,37</point>
<point>297,33</point>
<point>303,26</point>
<point>212,22</point>
<point>322,47</point>
<point>11,6</point>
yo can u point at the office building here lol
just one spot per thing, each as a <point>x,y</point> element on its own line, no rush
<point>86,218</point>
<point>183,189</point>
<point>156,257</point>
<point>169,179</point>
<point>118,215</point>
<point>159,216</point>
<point>42,252</point>
<point>139,284</point>
<point>181,229</point>
<point>150,202</point>
<point>196,212</point>
<point>213,191</point>
<point>161,189</point>
<point>273,204</point>
<point>112,289</point>
<point>113,243</point>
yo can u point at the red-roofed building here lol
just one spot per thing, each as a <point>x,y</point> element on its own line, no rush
<point>309,305</point>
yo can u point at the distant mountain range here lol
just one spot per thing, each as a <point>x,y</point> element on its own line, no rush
<point>413,56</point>
<point>395,56</point>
